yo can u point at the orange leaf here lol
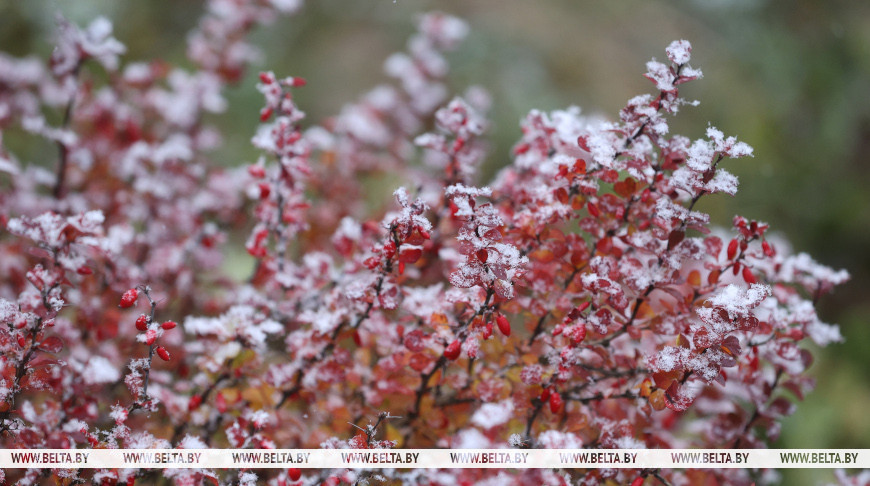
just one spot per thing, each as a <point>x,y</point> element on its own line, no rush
<point>694,278</point>
<point>542,255</point>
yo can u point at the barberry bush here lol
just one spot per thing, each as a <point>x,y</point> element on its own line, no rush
<point>578,300</point>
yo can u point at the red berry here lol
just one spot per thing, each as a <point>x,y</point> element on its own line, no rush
<point>748,276</point>
<point>452,350</point>
<point>732,249</point>
<point>150,337</point>
<point>503,325</point>
<point>142,323</point>
<point>638,481</point>
<point>129,298</point>
<point>168,325</point>
<point>163,353</point>
<point>194,402</point>
<point>265,190</point>
<point>545,394</point>
<point>220,402</point>
<point>257,171</point>
<point>487,331</point>
<point>555,402</point>
<point>294,473</point>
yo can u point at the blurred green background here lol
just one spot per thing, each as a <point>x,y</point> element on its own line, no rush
<point>791,78</point>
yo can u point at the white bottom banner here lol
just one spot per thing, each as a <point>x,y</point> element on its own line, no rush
<point>434,458</point>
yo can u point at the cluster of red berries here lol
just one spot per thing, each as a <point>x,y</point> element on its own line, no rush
<point>143,323</point>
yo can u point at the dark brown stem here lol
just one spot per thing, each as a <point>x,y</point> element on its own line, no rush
<point>327,350</point>
<point>151,348</point>
<point>180,428</point>
<point>599,397</point>
<point>424,387</point>
<point>538,328</point>
<point>661,479</point>
<point>59,190</point>
<point>757,412</point>
<point>539,404</point>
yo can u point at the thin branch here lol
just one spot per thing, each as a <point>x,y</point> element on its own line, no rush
<point>59,190</point>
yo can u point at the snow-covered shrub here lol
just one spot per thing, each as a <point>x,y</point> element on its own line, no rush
<point>577,300</point>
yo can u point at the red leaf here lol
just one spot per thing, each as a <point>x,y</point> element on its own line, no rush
<point>414,341</point>
<point>675,238</point>
<point>593,210</point>
<point>713,245</point>
<point>578,333</point>
<point>52,344</point>
<point>675,399</point>
<point>410,255</point>
<point>768,250</point>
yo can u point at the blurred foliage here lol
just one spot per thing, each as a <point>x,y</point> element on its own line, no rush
<point>791,78</point>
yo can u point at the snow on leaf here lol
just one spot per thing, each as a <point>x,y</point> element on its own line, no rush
<point>555,439</point>
<point>491,415</point>
<point>100,370</point>
<point>679,51</point>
